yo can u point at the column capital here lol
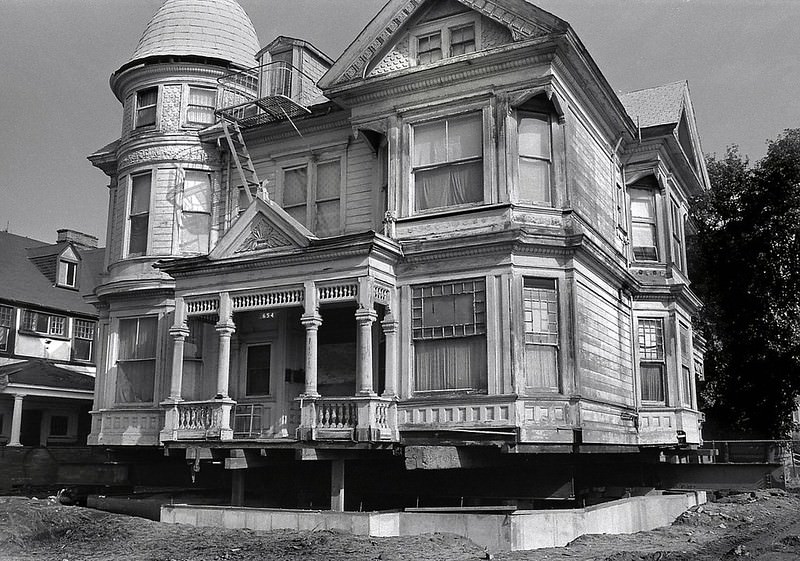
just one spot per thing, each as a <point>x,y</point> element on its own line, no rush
<point>365,315</point>
<point>19,396</point>
<point>179,331</point>
<point>311,321</point>
<point>225,329</point>
<point>390,325</point>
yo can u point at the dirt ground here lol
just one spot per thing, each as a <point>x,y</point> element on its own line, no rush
<point>763,525</point>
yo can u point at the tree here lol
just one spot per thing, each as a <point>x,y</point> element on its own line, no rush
<point>745,261</point>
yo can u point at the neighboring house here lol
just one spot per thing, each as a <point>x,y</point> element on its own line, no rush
<point>454,247</point>
<point>47,338</point>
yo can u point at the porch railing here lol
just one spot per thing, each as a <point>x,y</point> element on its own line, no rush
<point>191,420</point>
<point>361,419</point>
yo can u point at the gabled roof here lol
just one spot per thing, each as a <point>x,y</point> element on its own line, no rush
<point>27,274</point>
<point>523,19</point>
<point>652,107</point>
<point>41,372</point>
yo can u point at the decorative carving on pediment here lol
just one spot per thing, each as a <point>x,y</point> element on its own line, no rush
<point>263,235</point>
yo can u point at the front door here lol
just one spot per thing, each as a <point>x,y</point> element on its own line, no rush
<point>31,429</point>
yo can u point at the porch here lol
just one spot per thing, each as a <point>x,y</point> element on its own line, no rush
<point>284,364</point>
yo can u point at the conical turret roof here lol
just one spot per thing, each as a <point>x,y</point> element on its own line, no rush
<point>218,29</point>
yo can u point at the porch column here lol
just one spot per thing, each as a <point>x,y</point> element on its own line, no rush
<point>365,318</point>
<point>179,331</point>
<point>389,325</point>
<point>16,420</point>
<point>225,328</point>
<point>311,323</point>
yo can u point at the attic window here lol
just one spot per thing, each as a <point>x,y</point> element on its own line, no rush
<point>67,273</point>
<point>445,38</point>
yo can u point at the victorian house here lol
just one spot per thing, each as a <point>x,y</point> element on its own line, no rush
<point>47,338</point>
<point>453,247</point>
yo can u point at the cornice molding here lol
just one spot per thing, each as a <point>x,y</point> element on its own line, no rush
<point>122,83</point>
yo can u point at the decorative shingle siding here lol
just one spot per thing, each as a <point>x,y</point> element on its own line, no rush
<point>493,34</point>
<point>604,342</point>
<point>171,108</point>
<point>117,244</point>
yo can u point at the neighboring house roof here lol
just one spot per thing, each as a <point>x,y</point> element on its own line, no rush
<point>652,107</point>
<point>218,29</point>
<point>28,269</point>
<point>40,372</point>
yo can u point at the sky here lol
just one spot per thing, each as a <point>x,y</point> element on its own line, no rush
<point>739,56</point>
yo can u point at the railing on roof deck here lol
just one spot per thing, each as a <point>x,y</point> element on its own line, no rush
<point>270,92</point>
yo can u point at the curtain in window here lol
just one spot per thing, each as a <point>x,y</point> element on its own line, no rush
<point>652,382</point>
<point>136,360</point>
<point>450,364</point>
<point>449,186</point>
<point>541,366</point>
<point>135,381</point>
<point>201,106</point>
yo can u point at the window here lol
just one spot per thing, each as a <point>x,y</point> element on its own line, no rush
<point>449,331</point>
<point>651,359</point>
<point>533,133</point>
<point>448,162</point>
<point>643,225</point>
<point>136,360</point>
<point>195,218</point>
<point>258,359</point>
<point>312,195</point>
<point>44,324</point>
<point>67,273</point>
<point>201,106</point>
<point>686,365</point>
<point>139,215</point>
<point>193,359</point>
<point>59,425</point>
<point>82,340</point>
<point>433,42</point>
<point>677,235</point>
<point>540,308</point>
<point>280,74</point>
<point>6,327</point>
<point>146,101</point>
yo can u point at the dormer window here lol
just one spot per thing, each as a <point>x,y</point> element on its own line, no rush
<point>146,102</point>
<point>445,38</point>
<point>67,273</point>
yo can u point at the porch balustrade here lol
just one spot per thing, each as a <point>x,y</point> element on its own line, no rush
<point>199,420</point>
<point>361,419</point>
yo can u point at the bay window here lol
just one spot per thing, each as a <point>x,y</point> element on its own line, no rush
<point>449,332</point>
<point>136,360</point>
<point>534,142</point>
<point>139,214</point>
<point>448,162</point>
<point>652,371</point>
<point>146,103</point>
<point>540,309</point>
<point>201,106</point>
<point>195,216</point>
<point>644,226</point>
<point>312,195</point>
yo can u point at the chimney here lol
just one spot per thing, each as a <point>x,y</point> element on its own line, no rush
<point>84,241</point>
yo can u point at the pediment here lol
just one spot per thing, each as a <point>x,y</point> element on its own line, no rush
<point>382,45</point>
<point>263,228</point>
<point>69,254</point>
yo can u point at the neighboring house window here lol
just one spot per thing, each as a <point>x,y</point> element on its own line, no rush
<point>193,359</point>
<point>146,102</point>
<point>433,42</point>
<point>201,106</point>
<point>195,218</point>
<point>44,324</point>
<point>540,308</point>
<point>67,273</point>
<point>136,360</point>
<point>258,359</point>
<point>686,365</point>
<point>643,224</point>
<point>448,162</point>
<point>59,425</point>
<point>677,235</point>
<point>139,215</point>
<point>651,359</point>
<point>312,195</point>
<point>533,132</point>
<point>6,327</point>
<point>449,330</point>
<point>82,340</point>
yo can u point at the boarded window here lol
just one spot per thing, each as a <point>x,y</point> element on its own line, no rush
<point>449,330</point>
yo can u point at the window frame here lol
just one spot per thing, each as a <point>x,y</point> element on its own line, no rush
<point>192,106</point>
<point>677,236</point>
<point>246,378</point>
<point>650,221</point>
<point>686,364</point>
<point>477,329</point>
<point>129,215</point>
<point>78,333</point>
<point>444,28</point>
<point>550,339</point>
<point>64,266</point>
<point>138,109</point>
<point>549,160</point>
<point>8,325</point>
<point>479,112</point>
<point>311,167</point>
<point>30,321</point>
<point>644,360</point>
<point>185,213</point>
<point>137,359</point>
